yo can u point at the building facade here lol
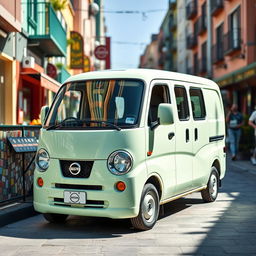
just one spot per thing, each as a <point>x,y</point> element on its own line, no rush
<point>10,22</point>
<point>234,51</point>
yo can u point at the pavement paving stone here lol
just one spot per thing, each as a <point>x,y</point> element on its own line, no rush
<point>188,227</point>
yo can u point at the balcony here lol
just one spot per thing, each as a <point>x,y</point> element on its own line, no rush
<point>46,31</point>
<point>203,65</point>
<point>173,45</point>
<point>202,27</point>
<point>232,41</point>
<point>63,75</point>
<point>191,9</point>
<point>216,6</point>
<point>173,22</point>
<point>172,4</point>
<point>217,53</point>
<point>191,41</point>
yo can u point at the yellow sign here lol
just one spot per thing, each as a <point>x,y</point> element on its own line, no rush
<point>87,64</point>
<point>77,51</point>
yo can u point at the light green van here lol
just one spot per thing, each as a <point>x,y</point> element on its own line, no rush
<point>119,144</point>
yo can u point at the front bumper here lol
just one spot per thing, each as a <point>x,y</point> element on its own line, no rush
<point>103,200</point>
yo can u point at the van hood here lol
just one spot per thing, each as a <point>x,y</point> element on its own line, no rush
<point>91,144</point>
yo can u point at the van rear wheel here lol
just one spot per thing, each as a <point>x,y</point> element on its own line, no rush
<point>55,218</point>
<point>149,209</point>
<point>211,192</point>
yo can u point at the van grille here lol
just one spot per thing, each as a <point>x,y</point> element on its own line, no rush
<point>85,171</point>
<point>78,187</point>
<point>89,203</point>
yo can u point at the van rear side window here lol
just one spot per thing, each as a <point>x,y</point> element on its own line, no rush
<point>197,103</point>
<point>182,102</point>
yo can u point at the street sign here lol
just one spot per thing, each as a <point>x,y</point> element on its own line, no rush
<point>101,52</point>
<point>23,144</point>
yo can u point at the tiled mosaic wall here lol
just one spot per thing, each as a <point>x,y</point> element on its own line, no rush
<point>11,169</point>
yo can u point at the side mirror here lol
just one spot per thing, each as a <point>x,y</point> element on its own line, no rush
<point>43,113</point>
<point>165,114</point>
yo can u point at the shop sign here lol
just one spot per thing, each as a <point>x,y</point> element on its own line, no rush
<point>101,52</point>
<point>51,70</point>
<point>87,64</point>
<point>236,78</point>
<point>77,51</point>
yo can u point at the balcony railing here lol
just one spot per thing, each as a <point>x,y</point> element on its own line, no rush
<point>191,41</point>
<point>202,26</point>
<point>173,22</point>
<point>216,6</point>
<point>203,65</point>
<point>63,75</point>
<point>217,53</point>
<point>232,41</point>
<point>47,31</point>
<point>191,9</point>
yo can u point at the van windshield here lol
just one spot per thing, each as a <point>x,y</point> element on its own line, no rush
<point>111,104</point>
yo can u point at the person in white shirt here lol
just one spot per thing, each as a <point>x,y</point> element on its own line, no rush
<point>252,122</point>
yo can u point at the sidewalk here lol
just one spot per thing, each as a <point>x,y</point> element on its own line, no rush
<point>243,165</point>
<point>16,211</point>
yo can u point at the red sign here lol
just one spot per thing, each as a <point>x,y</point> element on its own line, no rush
<point>101,52</point>
<point>51,70</point>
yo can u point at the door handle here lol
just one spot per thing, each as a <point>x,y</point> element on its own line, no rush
<point>196,134</point>
<point>187,135</point>
<point>171,135</point>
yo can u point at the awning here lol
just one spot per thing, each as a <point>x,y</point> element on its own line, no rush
<point>44,80</point>
<point>237,76</point>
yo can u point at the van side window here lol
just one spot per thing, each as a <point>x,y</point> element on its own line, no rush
<point>182,102</point>
<point>197,103</point>
<point>160,94</point>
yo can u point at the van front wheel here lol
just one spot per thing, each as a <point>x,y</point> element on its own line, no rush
<point>149,209</point>
<point>55,218</point>
<point>211,192</point>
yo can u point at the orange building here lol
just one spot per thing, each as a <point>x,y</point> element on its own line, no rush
<point>234,51</point>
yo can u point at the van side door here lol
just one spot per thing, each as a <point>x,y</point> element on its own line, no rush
<point>200,137</point>
<point>160,140</point>
<point>184,139</point>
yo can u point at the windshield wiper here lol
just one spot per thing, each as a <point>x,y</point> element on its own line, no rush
<point>55,126</point>
<point>104,122</point>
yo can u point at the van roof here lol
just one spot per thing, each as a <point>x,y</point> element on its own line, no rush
<point>144,74</point>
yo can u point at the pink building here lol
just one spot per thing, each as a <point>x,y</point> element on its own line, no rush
<point>234,51</point>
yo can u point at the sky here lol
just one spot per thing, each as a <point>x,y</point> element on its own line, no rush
<point>131,32</point>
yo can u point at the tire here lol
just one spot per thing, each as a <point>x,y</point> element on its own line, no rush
<point>211,192</point>
<point>55,218</point>
<point>149,209</point>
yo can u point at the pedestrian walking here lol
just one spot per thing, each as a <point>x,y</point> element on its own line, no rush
<point>234,121</point>
<point>252,122</point>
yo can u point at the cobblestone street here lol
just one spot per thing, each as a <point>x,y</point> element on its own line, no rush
<point>187,227</point>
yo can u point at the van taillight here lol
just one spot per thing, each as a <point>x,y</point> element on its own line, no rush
<point>224,149</point>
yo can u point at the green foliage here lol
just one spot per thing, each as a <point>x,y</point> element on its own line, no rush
<point>59,65</point>
<point>70,41</point>
<point>58,5</point>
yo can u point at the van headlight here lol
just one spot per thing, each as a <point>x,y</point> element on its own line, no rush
<point>120,162</point>
<point>42,159</point>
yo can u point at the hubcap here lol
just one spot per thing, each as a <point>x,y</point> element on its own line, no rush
<point>214,186</point>
<point>149,207</point>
